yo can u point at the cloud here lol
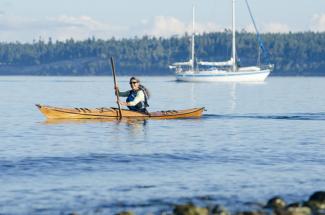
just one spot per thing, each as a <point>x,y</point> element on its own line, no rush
<point>318,22</point>
<point>16,28</point>
<point>274,27</point>
<point>82,27</point>
<point>250,28</point>
<point>77,22</point>
<point>62,27</point>
<point>208,27</point>
<point>167,26</point>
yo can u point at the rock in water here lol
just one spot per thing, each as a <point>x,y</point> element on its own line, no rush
<point>189,209</point>
<point>276,203</point>
<point>299,211</point>
<point>219,210</point>
<point>125,213</point>
<point>317,200</point>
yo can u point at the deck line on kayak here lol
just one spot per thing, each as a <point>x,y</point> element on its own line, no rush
<point>88,114</point>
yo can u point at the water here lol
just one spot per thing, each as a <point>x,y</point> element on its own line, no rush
<point>254,141</point>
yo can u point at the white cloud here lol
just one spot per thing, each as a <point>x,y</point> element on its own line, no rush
<point>165,26</point>
<point>318,22</point>
<point>208,27</point>
<point>250,28</point>
<point>168,26</point>
<point>274,27</point>
<point>15,28</point>
<point>82,27</point>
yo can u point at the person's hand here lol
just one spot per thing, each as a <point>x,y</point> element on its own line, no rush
<point>122,103</point>
<point>116,90</point>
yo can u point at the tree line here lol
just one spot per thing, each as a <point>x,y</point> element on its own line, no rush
<point>292,53</point>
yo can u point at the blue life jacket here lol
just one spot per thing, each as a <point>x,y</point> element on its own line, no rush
<point>141,106</point>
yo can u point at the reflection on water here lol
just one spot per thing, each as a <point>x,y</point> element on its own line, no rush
<point>127,121</point>
<point>136,127</point>
<point>77,121</point>
<point>132,127</point>
<point>192,93</point>
<point>233,97</point>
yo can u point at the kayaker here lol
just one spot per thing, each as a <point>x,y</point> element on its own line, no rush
<point>137,97</point>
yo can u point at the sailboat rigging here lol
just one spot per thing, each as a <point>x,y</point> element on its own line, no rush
<point>226,70</point>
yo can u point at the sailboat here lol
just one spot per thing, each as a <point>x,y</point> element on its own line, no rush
<point>222,71</point>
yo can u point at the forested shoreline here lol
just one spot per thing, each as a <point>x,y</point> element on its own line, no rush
<point>294,54</point>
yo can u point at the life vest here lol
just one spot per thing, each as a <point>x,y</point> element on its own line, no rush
<point>141,106</point>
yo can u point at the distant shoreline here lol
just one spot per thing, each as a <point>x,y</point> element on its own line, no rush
<point>142,75</point>
<point>293,54</point>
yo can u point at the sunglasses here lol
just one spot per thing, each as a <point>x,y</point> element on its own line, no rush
<point>133,82</point>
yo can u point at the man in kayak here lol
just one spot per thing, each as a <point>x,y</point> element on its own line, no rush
<point>137,97</point>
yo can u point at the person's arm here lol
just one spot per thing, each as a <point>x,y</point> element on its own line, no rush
<point>122,94</point>
<point>137,99</point>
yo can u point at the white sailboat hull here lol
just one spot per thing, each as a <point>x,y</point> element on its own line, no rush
<point>248,74</point>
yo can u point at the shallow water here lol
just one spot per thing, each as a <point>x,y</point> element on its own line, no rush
<point>254,141</point>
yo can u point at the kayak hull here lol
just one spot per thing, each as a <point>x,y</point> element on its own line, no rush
<point>111,113</point>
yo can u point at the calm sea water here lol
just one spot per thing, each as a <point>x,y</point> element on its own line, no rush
<point>254,141</point>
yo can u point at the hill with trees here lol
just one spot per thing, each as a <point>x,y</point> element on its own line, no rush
<point>293,54</point>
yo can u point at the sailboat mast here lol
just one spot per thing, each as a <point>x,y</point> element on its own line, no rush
<point>193,39</point>
<point>233,36</point>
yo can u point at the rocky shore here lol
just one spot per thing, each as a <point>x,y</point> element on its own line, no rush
<point>315,205</point>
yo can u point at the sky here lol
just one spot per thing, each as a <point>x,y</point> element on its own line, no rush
<point>28,21</point>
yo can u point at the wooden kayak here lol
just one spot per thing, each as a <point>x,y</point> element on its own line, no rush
<point>111,113</point>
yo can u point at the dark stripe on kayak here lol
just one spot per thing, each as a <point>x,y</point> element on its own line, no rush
<point>150,116</point>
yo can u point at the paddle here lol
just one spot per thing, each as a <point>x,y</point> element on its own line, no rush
<point>115,87</point>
